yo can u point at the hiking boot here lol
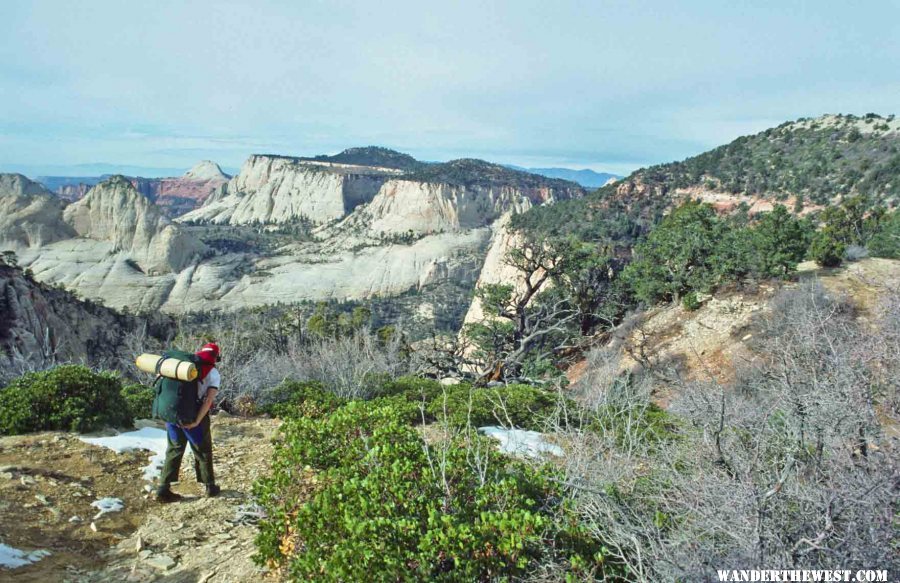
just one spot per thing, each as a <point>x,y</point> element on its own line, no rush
<point>166,496</point>
<point>212,490</point>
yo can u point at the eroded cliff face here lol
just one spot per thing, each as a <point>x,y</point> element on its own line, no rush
<point>114,211</point>
<point>426,208</point>
<point>495,269</point>
<point>42,326</point>
<point>180,195</point>
<point>276,189</point>
<point>29,215</point>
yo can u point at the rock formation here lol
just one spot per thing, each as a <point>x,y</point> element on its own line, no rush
<point>356,231</point>
<point>29,215</point>
<point>114,211</point>
<point>43,325</point>
<point>495,269</point>
<point>176,196</point>
<point>403,205</point>
<point>279,189</point>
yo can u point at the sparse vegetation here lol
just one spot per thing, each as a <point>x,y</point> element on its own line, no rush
<point>472,172</point>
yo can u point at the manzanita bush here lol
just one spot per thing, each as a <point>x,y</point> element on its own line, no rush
<point>356,495</point>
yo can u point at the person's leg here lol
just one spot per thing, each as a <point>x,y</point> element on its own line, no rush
<point>201,446</point>
<point>177,442</point>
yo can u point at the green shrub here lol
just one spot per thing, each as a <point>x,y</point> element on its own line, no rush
<point>138,400</point>
<point>68,398</point>
<point>690,301</point>
<point>383,510</point>
<point>520,405</point>
<point>649,424</point>
<point>826,249</point>
<point>292,398</point>
<point>695,250</point>
<point>885,242</point>
<point>412,388</point>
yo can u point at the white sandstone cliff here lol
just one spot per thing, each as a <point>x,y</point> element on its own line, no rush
<point>276,189</point>
<point>114,211</point>
<point>29,215</point>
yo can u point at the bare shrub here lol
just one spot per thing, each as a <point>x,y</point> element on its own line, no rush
<point>348,366</point>
<point>787,468</point>
<point>855,253</point>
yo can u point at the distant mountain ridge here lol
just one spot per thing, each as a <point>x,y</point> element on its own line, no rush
<point>276,189</point>
<point>585,177</point>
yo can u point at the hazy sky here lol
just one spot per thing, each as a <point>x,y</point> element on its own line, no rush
<point>605,85</point>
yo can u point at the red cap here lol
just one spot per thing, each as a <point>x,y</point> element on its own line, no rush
<point>209,353</point>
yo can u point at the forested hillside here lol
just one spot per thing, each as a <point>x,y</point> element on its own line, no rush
<point>819,160</point>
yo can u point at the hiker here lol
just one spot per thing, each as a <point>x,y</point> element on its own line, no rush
<point>196,433</point>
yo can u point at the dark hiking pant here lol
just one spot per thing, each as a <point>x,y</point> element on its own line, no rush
<point>200,440</point>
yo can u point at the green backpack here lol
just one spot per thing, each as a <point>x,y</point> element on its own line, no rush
<point>176,401</point>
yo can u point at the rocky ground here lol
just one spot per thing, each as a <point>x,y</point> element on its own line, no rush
<point>713,341</point>
<point>49,480</point>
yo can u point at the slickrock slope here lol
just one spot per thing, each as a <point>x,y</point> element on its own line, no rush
<point>114,245</point>
<point>425,208</point>
<point>29,215</point>
<point>495,269</point>
<point>114,211</point>
<point>446,198</point>
<point>279,189</point>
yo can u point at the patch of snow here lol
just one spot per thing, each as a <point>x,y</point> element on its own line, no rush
<point>107,505</point>
<point>12,558</point>
<point>521,442</point>
<point>148,438</point>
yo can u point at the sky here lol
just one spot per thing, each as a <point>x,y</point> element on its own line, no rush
<point>606,85</point>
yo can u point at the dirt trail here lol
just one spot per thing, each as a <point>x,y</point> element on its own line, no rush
<point>48,478</point>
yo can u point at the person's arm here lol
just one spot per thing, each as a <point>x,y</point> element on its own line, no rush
<point>205,407</point>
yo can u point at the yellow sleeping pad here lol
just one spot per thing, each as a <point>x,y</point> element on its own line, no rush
<point>171,368</point>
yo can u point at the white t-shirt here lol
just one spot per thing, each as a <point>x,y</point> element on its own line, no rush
<point>213,379</point>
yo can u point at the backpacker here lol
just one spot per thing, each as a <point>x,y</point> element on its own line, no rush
<point>176,401</point>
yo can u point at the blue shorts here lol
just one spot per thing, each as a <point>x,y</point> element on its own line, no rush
<point>194,436</point>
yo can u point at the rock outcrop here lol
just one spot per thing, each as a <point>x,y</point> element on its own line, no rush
<point>403,205</point>
<point>279,189</point>
<point>43,325</point>
<point>114,211</point>
<point>495,269</point>
<point>29,215</point>
<point>73,192</point>
<point>204,171</point>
